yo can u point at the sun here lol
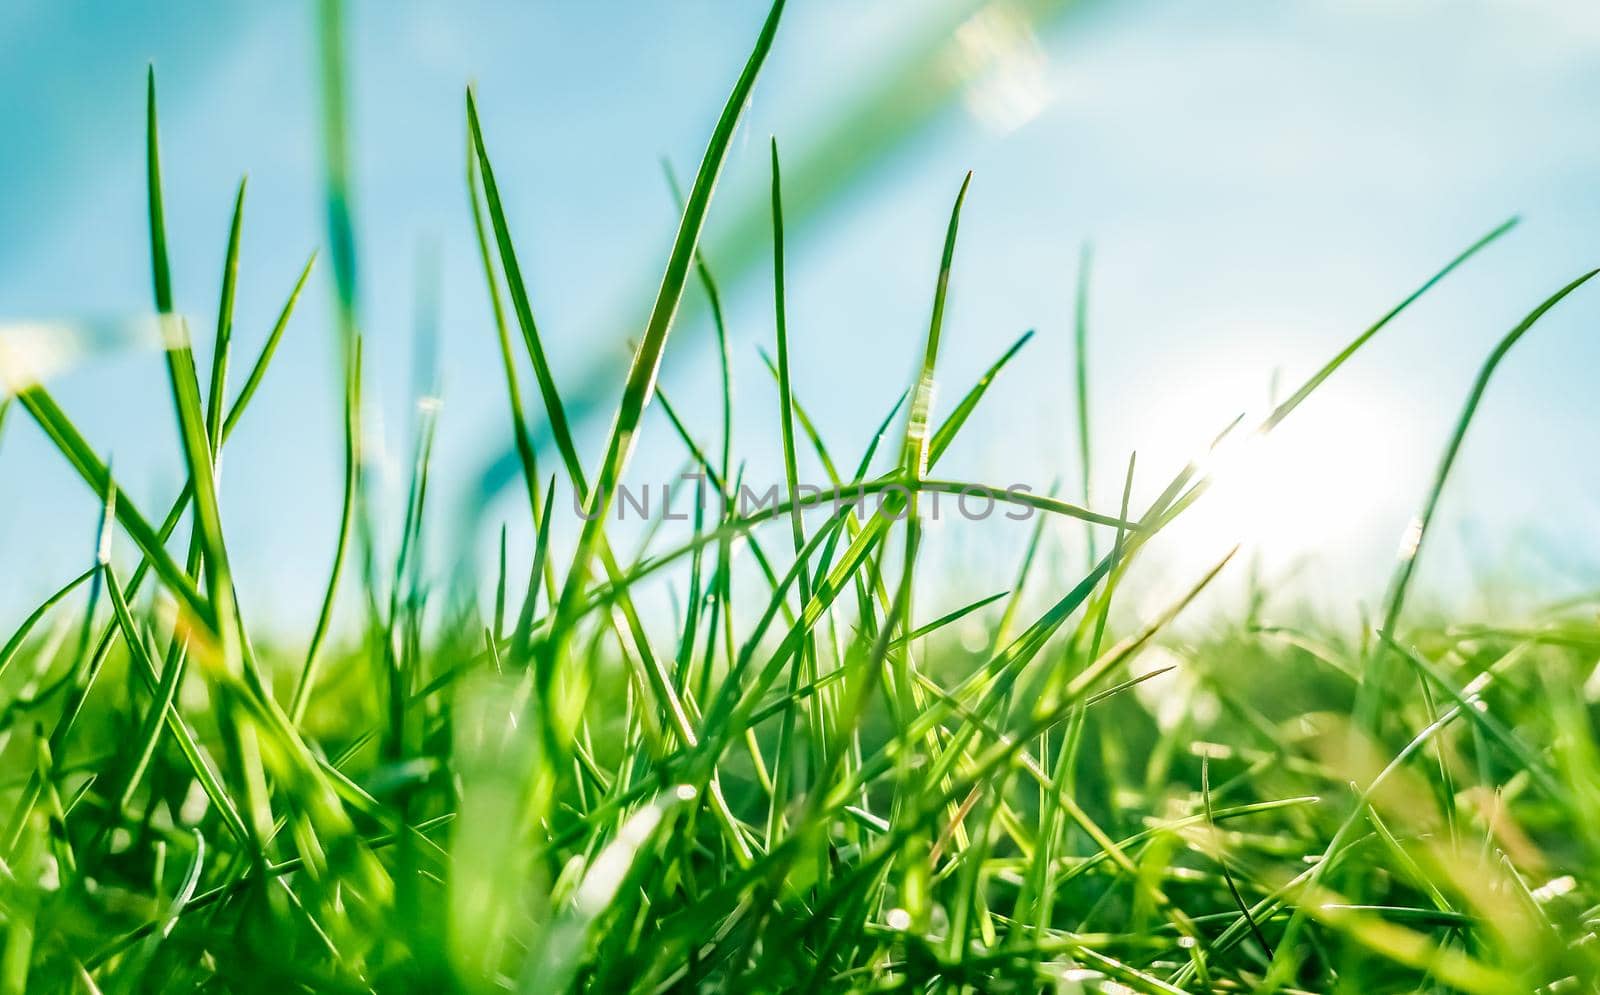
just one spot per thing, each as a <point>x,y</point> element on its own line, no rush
<point>1310,487</point>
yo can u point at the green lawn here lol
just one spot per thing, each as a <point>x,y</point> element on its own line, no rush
<point>801,780</point>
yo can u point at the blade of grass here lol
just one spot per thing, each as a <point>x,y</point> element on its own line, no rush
<point>1412,543</point>
<point>1080,369</point>
<point>647,360</point>
<point>216,402</point>
<point>342,248</point>
<point>9,651</point>
<point>258,370</point>
<point>787,776</point>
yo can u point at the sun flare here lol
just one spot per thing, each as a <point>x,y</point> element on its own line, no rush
<point>1312,484</point>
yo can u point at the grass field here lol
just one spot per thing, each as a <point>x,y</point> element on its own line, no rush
<point>801,780</point>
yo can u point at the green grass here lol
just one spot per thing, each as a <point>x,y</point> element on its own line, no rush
<point>802,780</point>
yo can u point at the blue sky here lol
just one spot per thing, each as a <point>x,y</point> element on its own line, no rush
<point>1259,181</point>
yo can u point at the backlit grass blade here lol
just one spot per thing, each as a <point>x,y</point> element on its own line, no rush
<point>957,419</point>
<point>647,360</point>
<point>350,495</point>
<point>561,718</point>
<point>219,579</point>
<point>1417,530</point>
<point>525,451</point>
<point>519,422</point>
<point>186,400</point>
<point>1175,500</point>
<point>1080,369</point>
<point>161,708</point>
<point>258,369</point>
<point>914,466</point>
<point>914,862</point>
<point>787,777</point>
<point>8,652</point>
<point>64,435</point>
<point>560,430</point>
<point>235,413</point>
<point>914,460</point>
<point>1316,380</point>
<point>353,521</point>
<point>86,669</point>
<point>216,399</point>
<point>719,596</point>
<point>950,49</point>
<point>160,266</point>
<point>246,711</point>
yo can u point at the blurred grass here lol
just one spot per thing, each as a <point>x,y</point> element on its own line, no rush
<point>815,775</point>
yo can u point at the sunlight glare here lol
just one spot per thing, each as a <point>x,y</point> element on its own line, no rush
<point>1307,486</point>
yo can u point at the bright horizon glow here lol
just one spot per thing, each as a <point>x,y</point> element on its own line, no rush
<point>1311,486</point>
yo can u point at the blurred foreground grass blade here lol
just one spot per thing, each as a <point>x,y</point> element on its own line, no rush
<point>1080,369</point>
<point>342,247</point>
<point>336,160</point>
<point>565,945</point>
